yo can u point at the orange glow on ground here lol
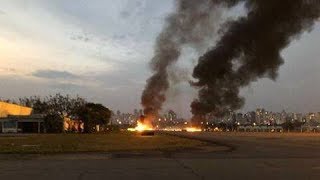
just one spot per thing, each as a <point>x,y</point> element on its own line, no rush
<point>193,129</point>
<point>142,127</point>
<point>171,129</point>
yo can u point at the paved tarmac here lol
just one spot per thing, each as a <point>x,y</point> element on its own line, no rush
<point>231,156</point>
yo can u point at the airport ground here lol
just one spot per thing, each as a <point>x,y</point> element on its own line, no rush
<point>225,156</point>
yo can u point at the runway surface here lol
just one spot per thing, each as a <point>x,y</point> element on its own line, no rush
<point>229,156</point>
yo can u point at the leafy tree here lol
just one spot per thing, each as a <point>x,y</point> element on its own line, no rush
<point>53,123</point>
<point>118,113</point>
<point>38,105</point>
<point>93,114</point>
<point>65,106</point>
<point>136,112</point>
<point>55,108</point>
<point>288,125</point>
<point>172,115</point>
<point>58,103</point>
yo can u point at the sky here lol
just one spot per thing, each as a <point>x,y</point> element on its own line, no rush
<point>100,49</point>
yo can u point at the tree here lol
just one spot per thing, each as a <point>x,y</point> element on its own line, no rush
<point>118,114</point>
<point>39,106</point>
<point>65,106</point>
<point>93,114</point>
<point>172,115</point>
<point>55,108</point>
<point>53,123</point>
<point>288,125</point>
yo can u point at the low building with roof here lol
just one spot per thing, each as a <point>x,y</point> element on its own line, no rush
<point>19,119</point>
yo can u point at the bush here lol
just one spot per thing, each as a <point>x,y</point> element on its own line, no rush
<point>53,123</point>
<point>93,114</point>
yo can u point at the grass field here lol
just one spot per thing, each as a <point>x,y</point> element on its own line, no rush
<point>70,143</point>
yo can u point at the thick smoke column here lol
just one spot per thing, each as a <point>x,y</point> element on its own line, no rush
<point>192,24</point>
<point>250,48</point>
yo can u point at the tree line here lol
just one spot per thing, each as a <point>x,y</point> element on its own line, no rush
<point>56,107</point>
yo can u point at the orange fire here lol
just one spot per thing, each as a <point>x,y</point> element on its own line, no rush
<point>193,129</point>
<point>142,126</point>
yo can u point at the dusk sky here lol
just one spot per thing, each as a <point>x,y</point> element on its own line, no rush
<point>100,49</point>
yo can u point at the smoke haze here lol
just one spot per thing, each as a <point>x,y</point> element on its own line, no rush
<point>250,48</point>
<point>192,24</point>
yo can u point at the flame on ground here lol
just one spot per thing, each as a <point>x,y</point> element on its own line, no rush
<point>141,127</point>
<point>171,129</point>
<point>193,129</point>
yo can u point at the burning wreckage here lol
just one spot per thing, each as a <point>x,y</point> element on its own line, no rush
<point>144,127</point>
<point>232,53</point>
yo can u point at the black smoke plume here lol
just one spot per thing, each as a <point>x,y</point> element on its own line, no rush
<point>249,49</point>
<point>191,24</point>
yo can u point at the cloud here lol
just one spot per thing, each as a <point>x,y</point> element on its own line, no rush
<point>54,74</point>
<point>66,86</point>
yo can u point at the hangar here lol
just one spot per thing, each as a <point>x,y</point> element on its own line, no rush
<point>19,119</point>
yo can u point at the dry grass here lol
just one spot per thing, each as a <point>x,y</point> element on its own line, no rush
<point>70,143</point>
